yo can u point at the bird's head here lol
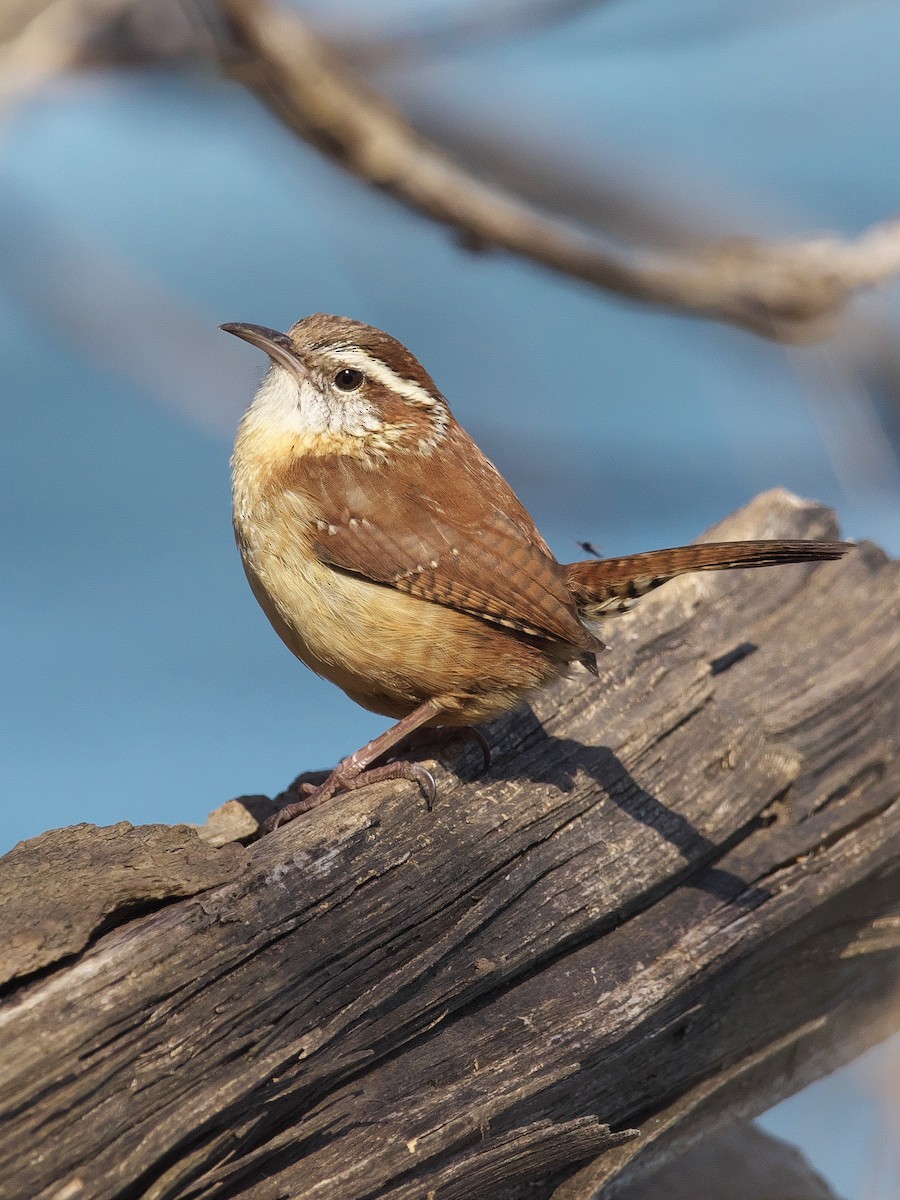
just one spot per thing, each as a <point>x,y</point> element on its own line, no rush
<point>339,386</point>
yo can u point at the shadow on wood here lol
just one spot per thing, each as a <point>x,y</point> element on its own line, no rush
<point>669,904</point>
<point>736,1164</point>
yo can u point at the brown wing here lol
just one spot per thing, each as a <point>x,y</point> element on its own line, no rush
<point>446,527</point>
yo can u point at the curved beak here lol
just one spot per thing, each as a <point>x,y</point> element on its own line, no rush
<point>278,346</point>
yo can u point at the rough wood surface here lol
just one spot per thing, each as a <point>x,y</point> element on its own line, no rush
<point>59,890</point>
<point>672,899</point>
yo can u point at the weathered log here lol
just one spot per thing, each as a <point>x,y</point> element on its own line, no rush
<point>671,902</point>
<point>62,889</point>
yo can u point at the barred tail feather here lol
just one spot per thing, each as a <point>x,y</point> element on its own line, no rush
<point>610,585</point>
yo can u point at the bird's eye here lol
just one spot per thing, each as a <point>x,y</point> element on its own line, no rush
<point>348,379</point>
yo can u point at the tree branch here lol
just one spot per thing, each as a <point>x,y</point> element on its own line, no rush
<point>791,291</point>
<point>671,902</point>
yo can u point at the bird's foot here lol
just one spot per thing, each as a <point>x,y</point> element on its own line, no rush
<point>348,776</point>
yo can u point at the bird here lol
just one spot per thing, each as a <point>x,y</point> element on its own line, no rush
<point>393,558</point>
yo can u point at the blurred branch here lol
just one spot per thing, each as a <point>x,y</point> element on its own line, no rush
<point>790,291</point>
<point>41,38</point>
<point>37,41</point>
<point>626,202</point>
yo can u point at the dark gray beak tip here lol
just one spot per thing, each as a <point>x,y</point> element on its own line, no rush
<point>278,346</point>
<point>257,335</point>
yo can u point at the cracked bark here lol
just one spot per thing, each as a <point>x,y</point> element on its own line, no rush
<point>670,903</point>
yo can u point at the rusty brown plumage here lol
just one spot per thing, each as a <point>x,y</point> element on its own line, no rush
<point>393,525</point>
<point>606,586</point>
<point>393,558</point>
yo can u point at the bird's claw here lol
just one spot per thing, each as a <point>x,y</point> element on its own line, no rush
<point>348,778</point>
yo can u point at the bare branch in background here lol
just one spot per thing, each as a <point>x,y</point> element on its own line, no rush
<point>39,41</point>
<point>792,291</point>
<point>495,191</point>
<point>41,38</point>
<point>624,201</point>
<point>789,291</point>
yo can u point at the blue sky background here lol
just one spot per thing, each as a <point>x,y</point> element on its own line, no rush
<point>138,210</point>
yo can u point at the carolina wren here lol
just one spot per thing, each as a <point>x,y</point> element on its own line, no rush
<point>394,559</point>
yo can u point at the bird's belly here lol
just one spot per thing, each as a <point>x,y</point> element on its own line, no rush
<point>389,651</point>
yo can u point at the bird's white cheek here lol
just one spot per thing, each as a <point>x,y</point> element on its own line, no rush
<point>285,405</point>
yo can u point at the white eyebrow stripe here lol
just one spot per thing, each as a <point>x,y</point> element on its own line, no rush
<point>381,373</point>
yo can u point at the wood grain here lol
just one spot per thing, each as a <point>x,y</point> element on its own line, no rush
<point>671,900</point>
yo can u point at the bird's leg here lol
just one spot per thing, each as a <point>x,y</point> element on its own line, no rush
<point>356,770</point>
<point>443,735</point>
